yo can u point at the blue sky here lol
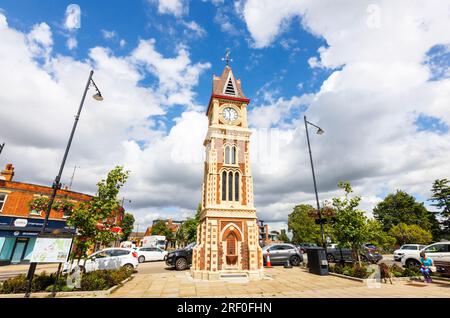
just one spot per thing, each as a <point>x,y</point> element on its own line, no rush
<point>381,97</point>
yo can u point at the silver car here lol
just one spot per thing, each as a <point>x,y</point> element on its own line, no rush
<point>280,253</point>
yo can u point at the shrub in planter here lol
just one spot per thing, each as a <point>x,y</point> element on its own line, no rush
<point>42,281</point>
<point>14,285</point>
<point>360,271</point>
<point>397,271</point>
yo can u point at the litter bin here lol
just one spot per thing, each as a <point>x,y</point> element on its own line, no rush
<point>317,261</point>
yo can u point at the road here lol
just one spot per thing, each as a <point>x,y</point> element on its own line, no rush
<point>14,270</point>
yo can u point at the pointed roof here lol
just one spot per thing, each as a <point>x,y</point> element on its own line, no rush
<point>227,85</point>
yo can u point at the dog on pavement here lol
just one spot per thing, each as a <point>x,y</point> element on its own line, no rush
<point>384,272</point>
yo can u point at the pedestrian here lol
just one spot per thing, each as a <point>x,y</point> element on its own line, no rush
<point>426,265</point>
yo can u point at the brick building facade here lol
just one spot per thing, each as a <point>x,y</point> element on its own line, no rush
<point>19,226</point>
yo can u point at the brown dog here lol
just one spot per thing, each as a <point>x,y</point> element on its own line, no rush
<point>384,272</point>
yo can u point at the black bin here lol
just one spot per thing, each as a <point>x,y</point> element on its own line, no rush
<point>317,261</point>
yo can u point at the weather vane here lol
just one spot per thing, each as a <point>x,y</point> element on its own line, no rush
<point>227,57</point>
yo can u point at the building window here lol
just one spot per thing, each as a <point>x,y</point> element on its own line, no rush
<point>230,155</point>
<point>236,186</point>
<point>224,186</point>
<point>230,186</point>
<point>2,200</point>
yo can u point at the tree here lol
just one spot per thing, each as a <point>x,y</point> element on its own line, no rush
<point>303,225</point>
<point>187,232</point>
<point>377,236</point>
<point>441,200</point>
<point>349,223</point>
<point>95,218</point>
<point>410,233</point>
<point>283,236</point>
<point>401,208</point>
<point>127,225</point>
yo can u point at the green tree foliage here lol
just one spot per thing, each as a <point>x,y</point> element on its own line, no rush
<point>127,225</point>
<point>303,226</point>
<point>349,223</point>
<point>410,234</point>
<point>187,233</point>
<point>161,228</point>
<point>402,208</point>
<point>377,236</point>
<point>95,218</point>
<point>283,236</point>
<point>441,200</point>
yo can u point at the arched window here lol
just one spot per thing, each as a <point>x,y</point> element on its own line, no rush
<point>224,186</point>
<point>236,186</point>
<point>233,155</point>
<point>230,186</point>
<point>231,244</point>
<point>227,154</point>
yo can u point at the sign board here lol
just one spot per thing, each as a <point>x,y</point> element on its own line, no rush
<point>51,250</point>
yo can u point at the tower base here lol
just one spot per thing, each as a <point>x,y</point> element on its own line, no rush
<point>228,275</point>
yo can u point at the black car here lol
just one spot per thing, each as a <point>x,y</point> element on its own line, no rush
<point>304,246</point>
<point>181,259</point>
<point>368,254</point>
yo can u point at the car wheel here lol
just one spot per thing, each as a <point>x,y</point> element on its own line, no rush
<point>295,260</point>
<point>330,258</point>
<point>412,264</point>
<point>129,267</point>
<point>141,259</point>
<point>181,264</point>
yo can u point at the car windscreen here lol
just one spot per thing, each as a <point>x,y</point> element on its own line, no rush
<point>409,247</point>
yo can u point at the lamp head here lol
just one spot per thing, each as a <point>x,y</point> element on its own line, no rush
<point>320,131</point>
<point>98,96</point>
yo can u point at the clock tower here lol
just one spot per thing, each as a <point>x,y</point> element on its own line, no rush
<point>228,235</point>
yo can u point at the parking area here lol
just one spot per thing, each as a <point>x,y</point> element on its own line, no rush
<point>155,281</point>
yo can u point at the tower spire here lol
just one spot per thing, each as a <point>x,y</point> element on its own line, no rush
<point>227,58</point>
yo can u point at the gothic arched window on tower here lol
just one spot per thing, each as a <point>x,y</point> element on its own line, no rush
<point>230,186</point>
<point>227,155</point>
<point>224,186</point>
<point>233,155</point>
<point>236,186</point>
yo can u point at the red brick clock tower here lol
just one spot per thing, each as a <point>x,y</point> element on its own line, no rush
<point>228,235</point>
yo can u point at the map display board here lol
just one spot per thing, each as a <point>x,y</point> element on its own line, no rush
<point>51,250</point>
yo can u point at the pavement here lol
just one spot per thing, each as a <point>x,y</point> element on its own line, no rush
<point>14,270</point>
<point>278,282</point>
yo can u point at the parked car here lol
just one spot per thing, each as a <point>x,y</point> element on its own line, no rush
<point>438,252</point>
<point>304,246</point>
<point>280,253</point>
<point>150,254</point>
<point>108,258</point>
<point>181,259</point>
<point>398,254</point>
<point>369,253</point>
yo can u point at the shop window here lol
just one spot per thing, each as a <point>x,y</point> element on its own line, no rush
<point>2,200</point>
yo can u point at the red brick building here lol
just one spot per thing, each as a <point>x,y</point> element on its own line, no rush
<point>19,226</point>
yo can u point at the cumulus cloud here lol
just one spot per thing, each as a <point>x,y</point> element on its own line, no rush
<point>382,82</point>
<point>38,104</point>
<point>174,7</point>
<point>73,17</point>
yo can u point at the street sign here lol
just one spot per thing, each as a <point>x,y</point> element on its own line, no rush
<point>51,250</point>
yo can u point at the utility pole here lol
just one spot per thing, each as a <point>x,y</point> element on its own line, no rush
<point>73,174</point>
<point>1,147</point>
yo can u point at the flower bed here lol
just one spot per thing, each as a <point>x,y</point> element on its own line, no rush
<point>97,280</point>
<point>363,272</point>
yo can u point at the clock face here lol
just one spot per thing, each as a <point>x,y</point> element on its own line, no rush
<point>230,114</point>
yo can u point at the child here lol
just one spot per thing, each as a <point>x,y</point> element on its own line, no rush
<point>425,267</point>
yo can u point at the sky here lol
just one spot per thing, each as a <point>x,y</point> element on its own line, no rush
<point>374,75</point>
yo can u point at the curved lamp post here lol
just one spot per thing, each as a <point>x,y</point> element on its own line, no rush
<point>56,184</point>
<point>320,131</point>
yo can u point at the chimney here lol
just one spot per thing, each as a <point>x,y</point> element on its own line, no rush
<point>8,173</point>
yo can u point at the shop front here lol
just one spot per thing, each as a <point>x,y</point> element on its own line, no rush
<point>18,236</point>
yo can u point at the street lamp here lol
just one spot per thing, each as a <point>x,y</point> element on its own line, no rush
<point>56,183</point>
<point>1,147</point>
<point>320,131</point>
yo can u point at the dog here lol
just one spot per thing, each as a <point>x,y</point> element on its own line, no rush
<point>384,273</point>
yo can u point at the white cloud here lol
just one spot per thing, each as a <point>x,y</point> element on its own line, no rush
<point>122,43</point>
<point>107,35</point>
<point>73,17</point>
<point>367,108</point>
<point>40,40</point>
<point>37,110</point>
<point>3,21</point>
<point>195,28</point>
<point>71,43</point>
<point>174,7</point>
